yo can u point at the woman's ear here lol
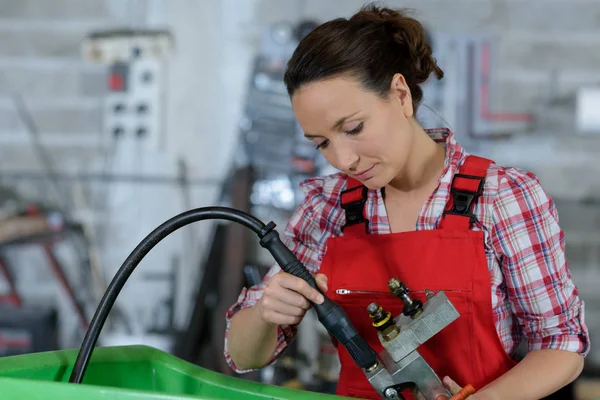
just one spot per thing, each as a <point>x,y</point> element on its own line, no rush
<point>400,90</point>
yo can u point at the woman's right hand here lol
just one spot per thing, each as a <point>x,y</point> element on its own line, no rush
<point>285,299</point>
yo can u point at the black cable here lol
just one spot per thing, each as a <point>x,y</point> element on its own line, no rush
<point>117,283</point>
<point>330,314</point>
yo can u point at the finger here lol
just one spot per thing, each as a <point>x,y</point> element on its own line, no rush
<point>273,304</point>
<point>301,286</point>
<point>452,386</point>
<point>278,288</point>
<point>288,297</point>
<point>321,280</point>
<point>280,319</point>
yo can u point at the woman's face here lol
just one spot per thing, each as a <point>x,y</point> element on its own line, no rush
<point>358,132</point>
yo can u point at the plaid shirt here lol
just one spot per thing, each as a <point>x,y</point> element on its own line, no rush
<point>533,295</point>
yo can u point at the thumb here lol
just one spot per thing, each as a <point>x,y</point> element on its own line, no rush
<point>321,280</point>
<point>451,385</point>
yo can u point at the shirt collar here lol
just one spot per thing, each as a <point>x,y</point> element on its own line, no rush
<point>455,153</point>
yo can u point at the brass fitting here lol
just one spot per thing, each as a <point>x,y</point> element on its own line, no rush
<point>390,333</point>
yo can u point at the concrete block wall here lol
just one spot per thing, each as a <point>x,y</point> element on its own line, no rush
<point>40,61</point>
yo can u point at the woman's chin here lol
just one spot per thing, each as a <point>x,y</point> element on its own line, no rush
<point>373,183</point>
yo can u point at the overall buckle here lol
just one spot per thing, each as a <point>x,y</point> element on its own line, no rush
<point>355,209</point>
<point>464,200</point>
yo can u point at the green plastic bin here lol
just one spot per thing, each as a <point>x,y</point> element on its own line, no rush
<point>128,373</point>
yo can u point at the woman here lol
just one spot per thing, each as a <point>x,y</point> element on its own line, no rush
<point>412,204</point>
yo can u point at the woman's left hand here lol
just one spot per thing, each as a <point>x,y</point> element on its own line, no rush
<point>452,387</point>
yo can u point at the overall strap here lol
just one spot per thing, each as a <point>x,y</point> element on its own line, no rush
<point>467,186</point>
<point>353,201</point>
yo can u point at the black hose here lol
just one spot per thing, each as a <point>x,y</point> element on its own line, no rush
<point>168,227</point>
<point>330,314</point>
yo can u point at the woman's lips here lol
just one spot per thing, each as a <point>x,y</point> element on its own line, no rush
<point>365,174</point>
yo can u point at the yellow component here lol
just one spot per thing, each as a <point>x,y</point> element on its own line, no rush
<point>380,309</point>
<point>388,316</point>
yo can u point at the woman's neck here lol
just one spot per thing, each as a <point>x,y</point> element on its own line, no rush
<point>423,166</point>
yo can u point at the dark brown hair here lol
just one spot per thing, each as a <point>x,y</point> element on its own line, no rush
<point>372,46</point>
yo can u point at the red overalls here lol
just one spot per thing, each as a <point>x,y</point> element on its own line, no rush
<point>451,258</point>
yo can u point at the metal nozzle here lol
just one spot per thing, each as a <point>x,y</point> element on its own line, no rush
<point>376,312</point>
<point>372,308</point>
<point>412,308</point>
<point>382,319</point>
<point>394,284</point>
<point>372,367</point>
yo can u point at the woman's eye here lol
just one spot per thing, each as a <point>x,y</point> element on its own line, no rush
<point>323,144</point>
<point>355,130</point>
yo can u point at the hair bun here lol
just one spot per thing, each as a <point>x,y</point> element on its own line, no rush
<point>371,47</point>
<point>410,35</point>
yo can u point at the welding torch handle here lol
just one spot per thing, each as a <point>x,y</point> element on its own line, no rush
<point>287,260</point>
<point>463,394</point>
<point>330,314</point>
<point>297,269</point>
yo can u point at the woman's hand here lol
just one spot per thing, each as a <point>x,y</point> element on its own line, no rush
<point>452,387</point>
<point>285,299</point>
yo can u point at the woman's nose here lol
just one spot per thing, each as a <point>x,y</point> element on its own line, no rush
<point>347,160</point>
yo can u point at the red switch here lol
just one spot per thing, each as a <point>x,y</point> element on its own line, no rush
<point>116,83</point>
<point>117,78</point>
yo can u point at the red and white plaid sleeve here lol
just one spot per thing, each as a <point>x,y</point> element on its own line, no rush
<point>530,247</point>
<point>304,238</point>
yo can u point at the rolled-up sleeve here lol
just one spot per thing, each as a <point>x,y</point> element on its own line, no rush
<point>247,298</point>
<point>303,237</point>
<point>530,246</point>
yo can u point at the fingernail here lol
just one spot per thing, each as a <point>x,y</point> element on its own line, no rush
<point>325,287</point>
<point>320,299</point>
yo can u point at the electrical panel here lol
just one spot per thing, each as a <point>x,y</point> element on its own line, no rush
<point>133,105</point>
